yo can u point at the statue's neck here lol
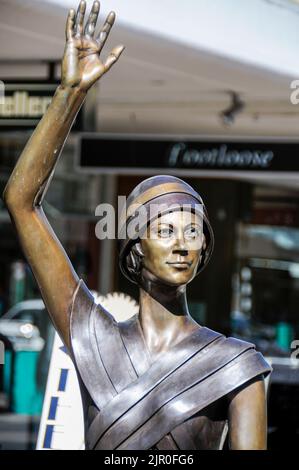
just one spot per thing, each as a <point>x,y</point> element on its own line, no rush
<point>164,315</point>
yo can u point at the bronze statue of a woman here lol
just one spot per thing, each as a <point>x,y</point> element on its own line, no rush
<point>158,380</point>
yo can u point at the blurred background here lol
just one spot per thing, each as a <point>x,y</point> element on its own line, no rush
<point>204,90</point>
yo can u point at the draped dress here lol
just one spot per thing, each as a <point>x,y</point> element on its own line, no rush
<point>176,401</point>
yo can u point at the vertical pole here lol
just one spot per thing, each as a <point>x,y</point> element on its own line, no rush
<point>107,252</point>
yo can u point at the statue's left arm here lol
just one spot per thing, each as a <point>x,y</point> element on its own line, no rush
<point>248,417</point>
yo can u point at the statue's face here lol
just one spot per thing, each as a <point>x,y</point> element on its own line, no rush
<point>173,247</point>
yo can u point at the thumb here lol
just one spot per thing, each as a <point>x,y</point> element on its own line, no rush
<point>113,56</point>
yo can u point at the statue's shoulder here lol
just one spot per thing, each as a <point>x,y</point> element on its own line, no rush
<point>82,295</point>
<point>243,354</point>
<point>228,341</point>
<point>237,343</point>
<point>84,305</point>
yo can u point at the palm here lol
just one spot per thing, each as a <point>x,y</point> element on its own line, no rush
<point>81,64</point>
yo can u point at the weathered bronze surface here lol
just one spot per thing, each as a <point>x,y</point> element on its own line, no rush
<point>159,380</point>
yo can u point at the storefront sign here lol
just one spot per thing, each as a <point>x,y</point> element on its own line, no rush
<point>115,153</point>
<point>24,104</point>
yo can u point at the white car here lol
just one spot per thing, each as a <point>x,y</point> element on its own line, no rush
<point>24,323</point>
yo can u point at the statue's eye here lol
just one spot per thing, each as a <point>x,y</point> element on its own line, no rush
<point>165,232</point>
<point>192,232</point>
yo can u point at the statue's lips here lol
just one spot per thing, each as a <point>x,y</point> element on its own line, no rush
<point>180,264</point>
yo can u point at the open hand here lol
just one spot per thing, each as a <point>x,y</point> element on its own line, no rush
<point>81,63</point>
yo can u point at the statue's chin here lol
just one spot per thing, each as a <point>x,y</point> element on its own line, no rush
<point>174,281</point>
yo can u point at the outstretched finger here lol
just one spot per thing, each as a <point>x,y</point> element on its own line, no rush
<point>92,19</point>
<point>104,33</point>
<point>113,56</point>
<point>80,18</point>
<point>69,30</point>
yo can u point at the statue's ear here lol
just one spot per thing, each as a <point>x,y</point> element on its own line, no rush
<point>204,243</point>
<point>138,249</point>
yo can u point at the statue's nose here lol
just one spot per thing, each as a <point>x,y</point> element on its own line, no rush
<point>180,247</point>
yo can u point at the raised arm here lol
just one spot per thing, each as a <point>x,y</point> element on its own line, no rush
<point>81,68</point>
